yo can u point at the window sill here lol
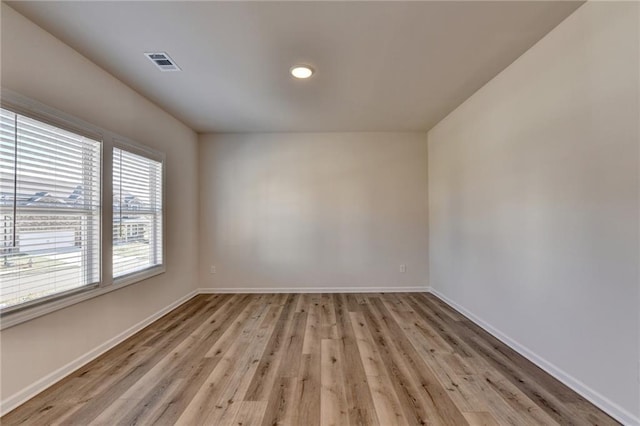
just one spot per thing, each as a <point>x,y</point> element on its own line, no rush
<point>32,312</point>
<point>137,276</point>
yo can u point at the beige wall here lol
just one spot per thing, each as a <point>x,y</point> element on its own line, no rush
<point>533,203</point>
<point>313,210</point>
<point>39,66</point>
<point>533,187</point>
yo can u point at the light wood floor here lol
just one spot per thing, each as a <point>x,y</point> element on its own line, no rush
<point>311,359</point>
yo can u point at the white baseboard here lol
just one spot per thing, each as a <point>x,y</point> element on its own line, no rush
<point>257,290</point>
<point>600,401</point>
<point>594,397</point>
<point>35,388</point>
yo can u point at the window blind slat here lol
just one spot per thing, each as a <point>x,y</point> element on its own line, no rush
<point>137,217</point>
<point>50,179</point>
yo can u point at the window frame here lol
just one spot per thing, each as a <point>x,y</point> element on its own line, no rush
<point>143,151</point>
<point>25,106</point>
<point>63,124</point>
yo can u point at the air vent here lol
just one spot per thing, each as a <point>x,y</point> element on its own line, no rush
<point>162,61</point>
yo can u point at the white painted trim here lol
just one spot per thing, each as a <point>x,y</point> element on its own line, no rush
<point>35,388</point>
<point>600,401</point>
<point>259,290</point>
<point>594,397</point>
<point>31,108</point>
<point>27,314</point>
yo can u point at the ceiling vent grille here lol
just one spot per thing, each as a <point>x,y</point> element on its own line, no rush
<point>162,61</point>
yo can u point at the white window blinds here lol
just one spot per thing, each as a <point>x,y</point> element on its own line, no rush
<point>50,210</point>
<point>137,212</point>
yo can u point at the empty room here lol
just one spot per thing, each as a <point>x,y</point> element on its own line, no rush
<point>320,213</point>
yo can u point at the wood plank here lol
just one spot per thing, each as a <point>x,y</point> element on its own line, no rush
<point>359,400</point>
<point>385,401</point>
<point>280,407</point>
<point>292,348</point>
<point>167,371</point>
<point>328,327</point>
<point>480,418</point>
<point>69,394</point>
<point>265,377</point>
<point>311,342</point>
<point>283,408</point>
<point>369,356</point>
<point>234,389</point>
<point>307,393</point>
<point>433,391</point>
<point>333,399</point>
<point>387,406</point>
<point>112,386</point>
<point>250,413</point>
<point>415,409</point>
<point>204,401</point>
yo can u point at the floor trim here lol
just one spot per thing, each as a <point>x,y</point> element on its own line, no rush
<point>19,398</point>
<point>594,397</point>
<point>600,401</point>
<point>256,290</point>
<point>49,380</point>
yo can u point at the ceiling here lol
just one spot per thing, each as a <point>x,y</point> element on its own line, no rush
<point>381,66</point>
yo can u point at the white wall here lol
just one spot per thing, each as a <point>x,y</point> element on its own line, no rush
<point>38,66</point>
<point>534,203</point>
<point>313,210</point>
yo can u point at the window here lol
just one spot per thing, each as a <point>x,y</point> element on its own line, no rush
<point>81,210</point>
<point>137,212</point>
<point>50,210</point>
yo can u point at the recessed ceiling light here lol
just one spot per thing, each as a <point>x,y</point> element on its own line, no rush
<point>301,71</point>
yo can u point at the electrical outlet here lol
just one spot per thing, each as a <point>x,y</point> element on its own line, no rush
<point>403,268</point>
<point>213,269</point>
